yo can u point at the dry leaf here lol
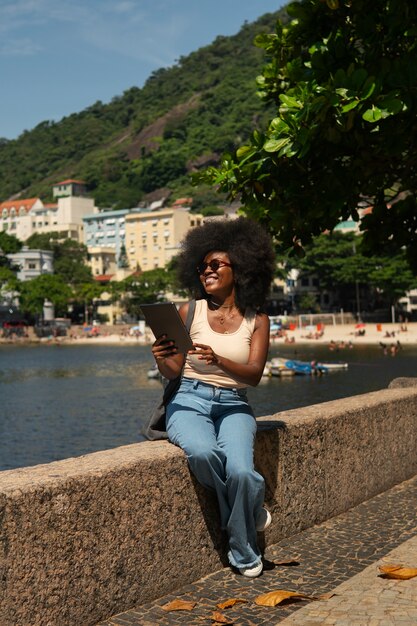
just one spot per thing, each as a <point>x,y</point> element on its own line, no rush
<point>290,562</point>
<point>179,605</point>
<point>227,604</point>
<point>219,618</point>
<point>276,597</point>
<point>325,596</point>
<point>397,572</point>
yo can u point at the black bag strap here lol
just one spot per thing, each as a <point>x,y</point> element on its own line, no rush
<point>155,428</point>
<point>190,315</point>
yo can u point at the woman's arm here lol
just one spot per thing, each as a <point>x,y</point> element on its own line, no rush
<point>249,373</point>
<point>169,361</point>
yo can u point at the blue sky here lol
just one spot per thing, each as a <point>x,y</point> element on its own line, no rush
<point>58,57</point>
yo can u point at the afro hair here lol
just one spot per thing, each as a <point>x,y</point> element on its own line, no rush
<point>249,248</point>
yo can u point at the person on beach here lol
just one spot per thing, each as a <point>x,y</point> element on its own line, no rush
<point>227,265</point>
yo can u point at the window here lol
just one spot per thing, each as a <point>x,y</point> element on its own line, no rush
<point>305,282</point>
<point>32,265</point>
<point>5,213</point>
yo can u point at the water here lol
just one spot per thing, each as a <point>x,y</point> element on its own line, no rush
<point>63,401</point>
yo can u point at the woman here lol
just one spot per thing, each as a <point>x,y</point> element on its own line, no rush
<point>228,266</point>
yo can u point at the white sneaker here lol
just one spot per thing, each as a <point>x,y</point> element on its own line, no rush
<point>264,520</point>
<point>251,572</point>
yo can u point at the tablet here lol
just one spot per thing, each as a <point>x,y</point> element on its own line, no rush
<point>163,319</point>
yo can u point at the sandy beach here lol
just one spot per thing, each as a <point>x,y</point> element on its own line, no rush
<point>341,335</point>
<point>367,334</point>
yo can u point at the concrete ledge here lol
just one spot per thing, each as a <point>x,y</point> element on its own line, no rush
<point>402,383</point>
<point>86,538</point>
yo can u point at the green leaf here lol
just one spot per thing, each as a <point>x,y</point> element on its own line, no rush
<point>350,106</point>
<point>392,105</point>
<point>273,145</point>
<point>290,102</point>
<point>340,78</point>
<point>358,78</point>
<point>264,40</point>
<point>368,88</point>
<point>242,151</point>
<point>279,125</point>
<point>342,91</point>
<point>372,115</point>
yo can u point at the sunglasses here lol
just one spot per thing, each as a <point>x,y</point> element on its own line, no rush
<point>214,265</point>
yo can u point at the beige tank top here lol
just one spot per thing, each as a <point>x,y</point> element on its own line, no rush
<point>234,346</point>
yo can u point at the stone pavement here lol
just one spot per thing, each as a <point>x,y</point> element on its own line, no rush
<point>339,556</point>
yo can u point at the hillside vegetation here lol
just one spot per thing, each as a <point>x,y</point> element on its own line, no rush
<point>151,138</point>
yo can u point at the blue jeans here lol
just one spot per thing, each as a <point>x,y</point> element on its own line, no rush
<point>216,429</point>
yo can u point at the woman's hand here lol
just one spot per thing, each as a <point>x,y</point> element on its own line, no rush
<point>205,353</point>
<point>167,357</point>
<point>163,348</point>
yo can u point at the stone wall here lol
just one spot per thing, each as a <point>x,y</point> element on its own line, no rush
<point>86,538</point>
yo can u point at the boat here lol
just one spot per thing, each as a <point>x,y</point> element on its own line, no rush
<point>279,366</point>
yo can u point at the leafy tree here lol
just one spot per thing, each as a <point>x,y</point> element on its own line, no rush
<point>70,259</point>
<point>146,287</point>
<point>34,292</point>
<point>85,294</point>
<point>9,244</point>
<point>308,303</point>
<point>69,256</point>
<point>342,77</point>
<point>9,284</point>
<point>393,276</point>
<point>337,260</point>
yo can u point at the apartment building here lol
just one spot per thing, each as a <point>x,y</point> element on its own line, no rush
<point>24,217</point>
<point>65,217</point>
<point>153,237</point>
<point>102,260</point>
<point>32,263</point>
<point>15,216</point>
<point>106,230</point>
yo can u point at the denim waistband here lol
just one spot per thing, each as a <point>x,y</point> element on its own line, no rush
<point>195,383</point>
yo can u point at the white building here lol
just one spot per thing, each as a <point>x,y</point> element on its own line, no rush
<point>24,217</point>
<point>32,263</point>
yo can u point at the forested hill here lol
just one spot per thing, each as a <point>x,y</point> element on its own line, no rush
<point>149,138</point>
